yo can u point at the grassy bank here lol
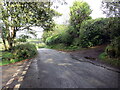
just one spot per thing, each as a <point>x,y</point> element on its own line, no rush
<point>60,47</point>
<point>112,61</point>
<point>18,53</point>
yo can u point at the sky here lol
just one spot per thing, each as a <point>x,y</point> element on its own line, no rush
<point>64,9</point>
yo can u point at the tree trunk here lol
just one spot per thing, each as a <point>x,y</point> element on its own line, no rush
<point>10,43</point>
<point>4,43</point>
<point>11,37</point>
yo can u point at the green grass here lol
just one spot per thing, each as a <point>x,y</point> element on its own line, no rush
<point>41,45</point>
<point>111,61</point>
<point>6,62</point>
<point>19,53</point>
<point>33,40</point>
<point>62,47</point>
<point>6,58</point>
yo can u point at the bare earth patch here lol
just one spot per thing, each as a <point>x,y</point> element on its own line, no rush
<point>91,54</point>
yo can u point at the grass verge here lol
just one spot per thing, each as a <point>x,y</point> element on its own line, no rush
<point>18,53</point>
<point>112,61</point>
<point>62,47</point>
<point>6,58</point>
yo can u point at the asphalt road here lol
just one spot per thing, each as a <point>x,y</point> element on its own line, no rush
<point>55,69</point>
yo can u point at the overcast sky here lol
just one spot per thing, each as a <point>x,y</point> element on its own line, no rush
<point>64,9</point>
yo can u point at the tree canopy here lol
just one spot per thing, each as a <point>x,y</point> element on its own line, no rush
<point>23,15</point>
<point>79,12</point>
<point>111,9</point>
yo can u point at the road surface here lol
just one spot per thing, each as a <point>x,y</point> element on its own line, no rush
<point>56,69</point>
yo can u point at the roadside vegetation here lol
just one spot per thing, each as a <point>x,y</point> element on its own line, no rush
<point>85,32</point>
<point>81,32</point>
<point>20,16</point>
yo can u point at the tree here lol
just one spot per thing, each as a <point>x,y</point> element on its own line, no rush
<point>79,12</point>
<point>23,15</point>
<point>111,9</point>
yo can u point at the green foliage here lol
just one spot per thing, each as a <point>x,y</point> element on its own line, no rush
<point>66,38</point>
<point>76,42</point>
<point>113,27</point>
<point>99,31</point>
<point>111,9</point>
<point>22,38</point>
<point>63,47</point>
<point>53,39</point>
<point>16,15</point>
<point>79,12</point>
<point>58,35</point>
<point>46,35</point>
<point>73,32</point>
<point>18,53</point>
<point>92,32</point>
<point>113,61</point>
<point>24,51</point>
<point>113,50</point>
<point>41,45</point>
<point>7,56</point>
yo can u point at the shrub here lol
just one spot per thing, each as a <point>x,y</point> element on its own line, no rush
<point>7,56</point>
<point>66,38</point>
<point>46,35</point>
<point>59,35</point>
<point>24,51</point>
<point>113,27</point>
<point>58,29</point>
<point>76,42</point>
<point>99,31</point>
<point>53,40</point>
<point>93,32</point>
<point>18,53</point>
<point>113,50</point>
<point>41,45</point>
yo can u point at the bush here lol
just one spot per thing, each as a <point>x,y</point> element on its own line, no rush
<point>24,51</point>
<point>99,31</point>
<point>113,27</point>
<point>66,38</point>
<point>113,50</point>
<point>93,32</point>
<point>112,61</point>
<point>7,56</point>
<point>59,35</point>
<point>46,35</point>
<point>18,53</point>
<point>58,29</point>
<point>41,45</point>
<point>76,42</point>
<point>55,39</point>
